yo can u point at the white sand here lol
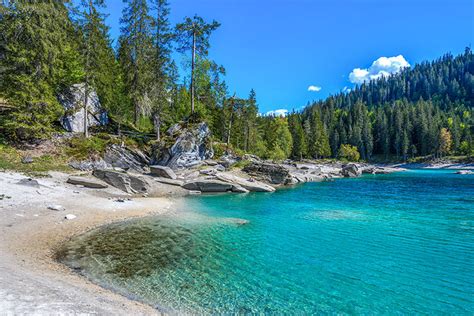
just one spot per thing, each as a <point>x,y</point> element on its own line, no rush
<point>31,281</point>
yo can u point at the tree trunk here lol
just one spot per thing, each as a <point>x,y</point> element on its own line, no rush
<point>192,72</point>
<point>157,123</point>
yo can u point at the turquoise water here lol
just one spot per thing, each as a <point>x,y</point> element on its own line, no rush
<point>385,244</point>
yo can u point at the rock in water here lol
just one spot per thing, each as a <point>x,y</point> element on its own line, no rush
<point>123,181</point>
<point>268,172</point>
<point>192,147</point>
<point>350,170</point>
<point>73,102</point>
<point>163,171</point>
<point>465,172</point>
<point>88,183</point>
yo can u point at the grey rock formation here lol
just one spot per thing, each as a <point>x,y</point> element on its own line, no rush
<point>73,102</point>
<point>87,182</point>
<point>170,181</point>
<point>268,172</point>
<point>252,186</point>
<point>350,170</point>
<point>123,181</point>
<point>29,182</point>
<point>208,185</point>
<point>89,165</point>
<point>162,171</point>
<point>126,158</point>
<point>191,148</point>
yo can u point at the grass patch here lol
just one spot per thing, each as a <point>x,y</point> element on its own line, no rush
<point>11,159</point>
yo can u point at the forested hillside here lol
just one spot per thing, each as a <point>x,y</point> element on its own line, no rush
<point>48,46</point>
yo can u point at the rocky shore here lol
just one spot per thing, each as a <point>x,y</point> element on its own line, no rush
<point>39,214</point>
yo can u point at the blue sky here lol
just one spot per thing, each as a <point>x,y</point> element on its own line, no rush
<point>281,47</point>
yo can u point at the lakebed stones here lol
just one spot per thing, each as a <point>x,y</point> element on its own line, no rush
<point>87,182</point>
<point>350,170</point>
<point>123,181</point>
<point>163,171</point>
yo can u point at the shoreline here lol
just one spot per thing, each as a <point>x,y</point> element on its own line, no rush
<point>33,282</point>
<point>30,233</point>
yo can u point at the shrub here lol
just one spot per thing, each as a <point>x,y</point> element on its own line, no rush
<point>349,152</point>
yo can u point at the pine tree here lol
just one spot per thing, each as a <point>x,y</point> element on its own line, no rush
<point>193,34</point>
<point>137,55</point>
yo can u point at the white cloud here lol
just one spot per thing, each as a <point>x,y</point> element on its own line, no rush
<point>382,67</point>
<point>279,112</point>
<point>346,89</point>
<point>314,88</point>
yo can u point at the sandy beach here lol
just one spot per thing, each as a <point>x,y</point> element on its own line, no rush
<point>32,282</point>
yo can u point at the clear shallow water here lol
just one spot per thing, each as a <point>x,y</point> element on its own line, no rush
<point>386,244</point>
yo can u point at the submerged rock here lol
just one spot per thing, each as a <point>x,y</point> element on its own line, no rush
<point>465,172</point>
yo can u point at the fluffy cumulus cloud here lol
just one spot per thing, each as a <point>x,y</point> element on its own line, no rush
<point>279,112</point>
<point>314,88</point>
<point>382,67</point>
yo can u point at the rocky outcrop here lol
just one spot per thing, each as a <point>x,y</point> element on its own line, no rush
<point>208,185</point>
<point>123,181</point>
<point>162,171</point>
<point>268,172</point>
<point>465,172</point>
<point>126,158</point>
<point>89,165</point>
<point>191,148</point>
<point>86,182</point>
<point>250,185</point>
<point>350,170</point>
<point>72,101</point>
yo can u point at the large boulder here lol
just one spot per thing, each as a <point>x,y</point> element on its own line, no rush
<point>252,186</point>
<point>191,147</point>
<point>350,170</point>
<point>126,158</point>
<point>72,101</point>
<point>208,185</point>
<point>123,181</point>
<point>162,171</point>
<point>268,172</point>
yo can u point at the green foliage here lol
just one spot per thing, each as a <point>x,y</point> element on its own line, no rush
<point>348,152</point>
<point>10,159</point>
<point>83,148</point>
